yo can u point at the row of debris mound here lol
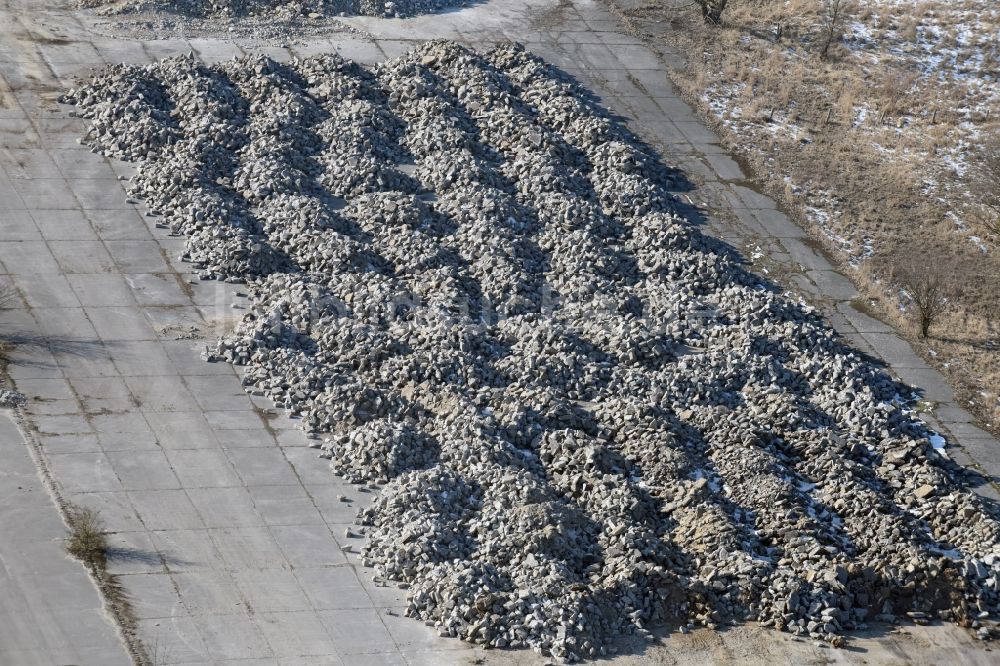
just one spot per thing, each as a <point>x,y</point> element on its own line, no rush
<point>584,417</point>
<point>282,9</point>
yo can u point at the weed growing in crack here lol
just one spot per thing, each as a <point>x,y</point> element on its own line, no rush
<point>87,540</point>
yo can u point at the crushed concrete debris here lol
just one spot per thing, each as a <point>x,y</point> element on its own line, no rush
<point>274,9</point>
<point>276,22</point>
<point>9,398</point>
<point>583,417</point>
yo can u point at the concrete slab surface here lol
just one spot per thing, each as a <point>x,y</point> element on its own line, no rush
<point>227,531</point>
<point>50,610</point>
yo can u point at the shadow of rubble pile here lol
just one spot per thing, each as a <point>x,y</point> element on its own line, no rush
<point>584,416</point>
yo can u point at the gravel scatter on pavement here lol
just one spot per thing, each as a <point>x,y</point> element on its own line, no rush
<point>583,417</point>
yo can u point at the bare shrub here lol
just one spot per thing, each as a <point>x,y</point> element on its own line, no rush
<point>928,287</point>
<point>711,10</point>
<point>87,540</point>
<point>834,11</point>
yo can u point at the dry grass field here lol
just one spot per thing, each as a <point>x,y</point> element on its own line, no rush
<point>876,121</point>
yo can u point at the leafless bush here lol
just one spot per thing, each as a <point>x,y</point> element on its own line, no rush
<point>834,11</point>
<point>928,286</point>
<point>711,10</point>
<point>87,540</point>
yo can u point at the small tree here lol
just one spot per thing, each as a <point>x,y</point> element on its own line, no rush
<point>927,287</point>
<point>834,11</point>
<point>711,10</point>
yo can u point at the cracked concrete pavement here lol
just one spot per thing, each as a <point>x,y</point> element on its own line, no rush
<point>227,532</point>
<point>50,611</point>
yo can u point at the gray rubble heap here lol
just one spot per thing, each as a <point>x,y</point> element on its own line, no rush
<point>583,416</point>
<point>275,9</point>
<point>10,398</point>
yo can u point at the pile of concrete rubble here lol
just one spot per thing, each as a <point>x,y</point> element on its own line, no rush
<point>584,418</point>
<point>283,9</point>
<point>10,398</point>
